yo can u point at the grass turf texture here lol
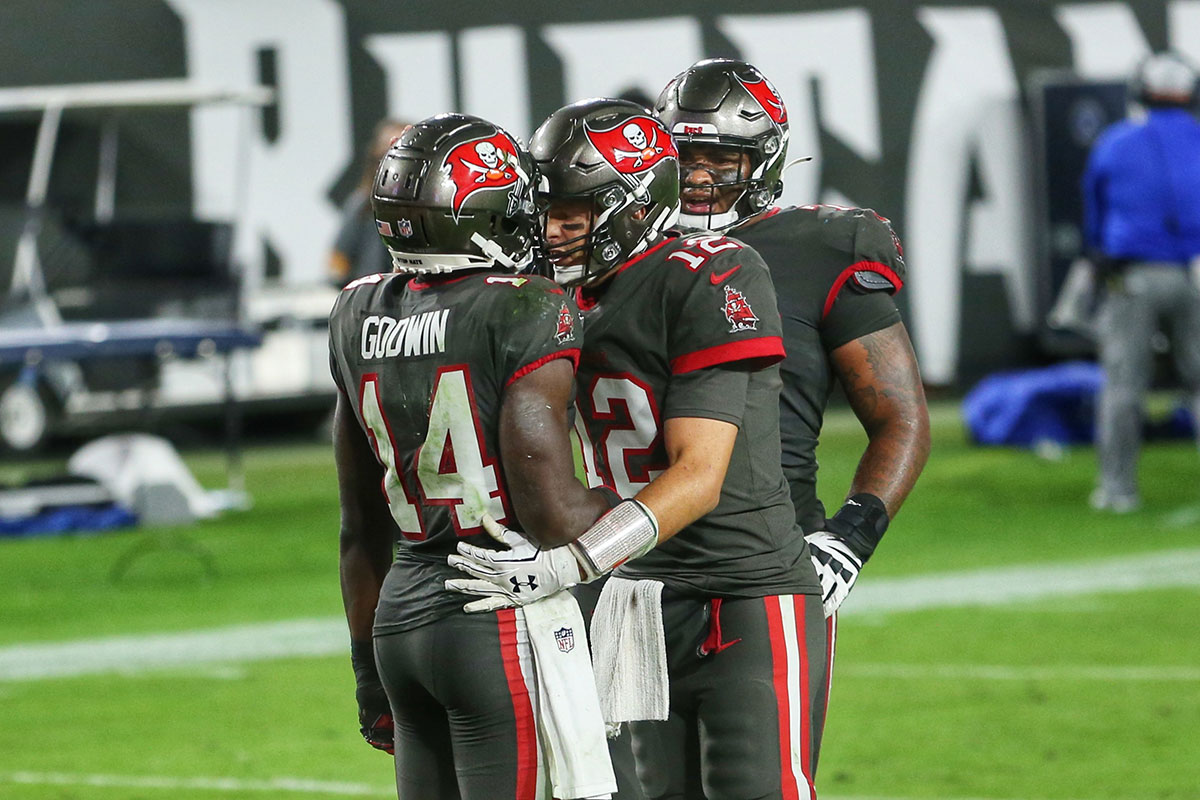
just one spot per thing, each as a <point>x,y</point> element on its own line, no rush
<point>941,703</point>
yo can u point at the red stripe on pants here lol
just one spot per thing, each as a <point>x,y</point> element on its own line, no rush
<point>806,720</point>
<point>830,643</point>
<point>779,673</point>
<point>522,707</point>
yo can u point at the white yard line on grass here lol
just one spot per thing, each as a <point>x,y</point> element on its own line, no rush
<point>1067,672</point>
<point>293,785</point>
<point>1005,585</point>
<point>166,783</point>
<point>328,636</point>
<point>239,644</point>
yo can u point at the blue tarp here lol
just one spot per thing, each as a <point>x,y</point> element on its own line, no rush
<point>1052,404</point>
<point>68,519</point>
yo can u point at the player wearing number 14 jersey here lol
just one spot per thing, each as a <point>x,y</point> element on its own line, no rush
<point>455,375</point>
<point>678,392</point>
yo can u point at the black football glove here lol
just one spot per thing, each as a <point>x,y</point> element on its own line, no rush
<point>839,551</point>
<point>374,711</point>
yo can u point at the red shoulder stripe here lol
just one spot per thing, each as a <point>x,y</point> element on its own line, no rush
<point>765,347</point>
<point>848,272</point>
<point>571,353</point>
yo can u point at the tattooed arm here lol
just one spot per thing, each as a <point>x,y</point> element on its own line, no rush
<point>879,374</point>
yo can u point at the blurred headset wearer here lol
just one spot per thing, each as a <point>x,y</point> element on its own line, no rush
<point>357,250</point>
<point>1141,194</point>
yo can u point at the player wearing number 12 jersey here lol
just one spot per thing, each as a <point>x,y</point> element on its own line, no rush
<point>455,374</point>
<point>678,394</point>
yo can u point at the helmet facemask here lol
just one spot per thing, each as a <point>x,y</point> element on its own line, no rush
<point>618,168</point>
<point>722,103</point>
<point>597,250</point>
<point>735,182</point>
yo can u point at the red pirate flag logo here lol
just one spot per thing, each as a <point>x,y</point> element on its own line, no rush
<point>566,326</point>
<point>481,165</point>
<point>633,146</point>
<point>738,312</point>
<point>767,97</point>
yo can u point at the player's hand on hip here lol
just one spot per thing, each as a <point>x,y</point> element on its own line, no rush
<point>518,576</point>
<point>837,567</point>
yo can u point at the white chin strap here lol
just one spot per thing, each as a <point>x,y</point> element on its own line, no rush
<point>715,222</point>
<point>440,263</point>
<point>568,275</point>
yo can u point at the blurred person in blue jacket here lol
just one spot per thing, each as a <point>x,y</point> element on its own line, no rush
<point>1142,232</point>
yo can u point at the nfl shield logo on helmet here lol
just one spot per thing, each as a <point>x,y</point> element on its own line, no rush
<point>565,639</point>
<point>404,228</point>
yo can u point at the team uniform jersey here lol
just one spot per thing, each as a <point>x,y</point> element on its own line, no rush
<point>690,329</point>
<point>424,365</point>
<point>834,271</point>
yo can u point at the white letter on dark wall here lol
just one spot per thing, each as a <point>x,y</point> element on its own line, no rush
<point>1106,40</point>
<point>837,49</point>
<point>602,59</point>
<point>1183,16</point>
<point>495,76</point>
<point>966,113</point>
<point>314,143</point>
<point>417,70</point>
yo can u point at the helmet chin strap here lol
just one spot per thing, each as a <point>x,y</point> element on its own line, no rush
<point>492,250</point>
<point>568,275</point>
<point>714,222</point>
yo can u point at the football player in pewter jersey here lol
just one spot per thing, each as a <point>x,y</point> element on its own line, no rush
<point>677,411</point>
<point>454,374</point>
<point>834,270</point>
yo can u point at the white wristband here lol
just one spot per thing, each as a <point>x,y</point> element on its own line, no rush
<point>627,531</point>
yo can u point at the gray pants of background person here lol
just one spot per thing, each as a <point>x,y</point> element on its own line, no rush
<point>1144,297</point>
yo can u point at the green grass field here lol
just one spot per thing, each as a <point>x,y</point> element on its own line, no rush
<point>1079,696</point>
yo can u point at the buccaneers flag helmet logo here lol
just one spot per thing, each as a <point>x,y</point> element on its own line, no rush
<point>634,145</point>
<point>767,97</point>
<point>738,312</point>
<point>480,165</point>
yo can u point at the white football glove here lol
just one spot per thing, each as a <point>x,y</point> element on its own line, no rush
<point>518,576</point>
<point>837,567</point>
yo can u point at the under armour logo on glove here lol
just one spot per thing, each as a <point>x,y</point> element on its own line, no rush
<point>829,562</point>
<point>837,568</point>
<point>531,584</point>
<point>495,575</point>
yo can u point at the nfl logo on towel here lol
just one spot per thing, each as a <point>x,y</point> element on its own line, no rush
<point>565,637</point>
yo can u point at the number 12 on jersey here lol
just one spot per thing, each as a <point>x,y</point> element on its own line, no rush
<point>628,437</point>
<point>451,465</point>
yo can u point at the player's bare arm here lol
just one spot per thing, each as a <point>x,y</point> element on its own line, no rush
<point>551,503</point>
<point>367,527</point>
<point>698,451</point>
<point>881,379</point>
<point>365,554</point>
